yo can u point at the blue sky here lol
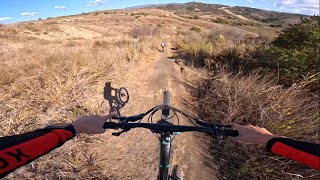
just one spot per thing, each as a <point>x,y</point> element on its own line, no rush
<point>24,10</point>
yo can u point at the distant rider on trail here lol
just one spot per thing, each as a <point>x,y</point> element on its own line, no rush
<point>163,45</point>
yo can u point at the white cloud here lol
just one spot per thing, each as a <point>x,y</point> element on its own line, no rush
<point>288,2</point>
<point>29,14</point>
<point>310,7</point>
<point>95,2</point>
<point>251,1</point>
<point>5,18</point>
<point>60,7</point>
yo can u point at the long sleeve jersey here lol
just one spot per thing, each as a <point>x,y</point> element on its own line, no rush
<point>18,150</point>
<point>303,152</point>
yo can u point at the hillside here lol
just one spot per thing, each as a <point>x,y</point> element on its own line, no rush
<point>214,11</point>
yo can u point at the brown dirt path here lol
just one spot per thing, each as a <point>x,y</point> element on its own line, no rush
<point>135,154</point>
<point>225,9</point>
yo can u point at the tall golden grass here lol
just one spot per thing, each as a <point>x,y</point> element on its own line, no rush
<point>226,95</point>
<point>50,81</point>
<point>200,49</point>
<point>293,112</point>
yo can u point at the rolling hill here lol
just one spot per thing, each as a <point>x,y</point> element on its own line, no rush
<point>214,11</point>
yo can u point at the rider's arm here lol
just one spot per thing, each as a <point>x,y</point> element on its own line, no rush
<point>303,152</point>
<point>19,150</point>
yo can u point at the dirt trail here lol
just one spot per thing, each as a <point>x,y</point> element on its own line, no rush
<point>135,154</point>
<point>233,14</point>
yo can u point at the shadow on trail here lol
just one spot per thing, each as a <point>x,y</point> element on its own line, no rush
<point>117,98</point>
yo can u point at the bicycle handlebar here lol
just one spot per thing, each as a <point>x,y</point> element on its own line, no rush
<point>131,118</point>
<point>220,131</point>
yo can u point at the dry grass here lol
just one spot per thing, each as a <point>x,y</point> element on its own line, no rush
<point>234,91</point>
<point>145,31</point>
<point>56,77</point>
<point>195,48</point>
<point>203,50</point>
<point>231,35</point>
<point>9,33</point>
<point>56,80</point>
<point>252,99</point>
<point>40,26</point>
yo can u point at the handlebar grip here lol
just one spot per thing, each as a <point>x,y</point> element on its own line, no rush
<point>111,125</point>
<point>231,133</point>
<point>136,117</point>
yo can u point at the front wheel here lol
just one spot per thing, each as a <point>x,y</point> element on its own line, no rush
<point>176,173</point>
<point>123,95</point>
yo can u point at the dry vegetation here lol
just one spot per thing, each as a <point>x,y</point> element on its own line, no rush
<point>49,79</point>
<point>231,47</point>
<point>50,71</point>
<point>252,99</point>
<point>240,85</point>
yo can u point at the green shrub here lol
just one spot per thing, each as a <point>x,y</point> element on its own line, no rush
<point>296,50</point>
<point>195,29</point>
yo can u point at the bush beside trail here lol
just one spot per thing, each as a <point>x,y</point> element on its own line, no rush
<point>223,97</point>
<point>291,57</point>
<point>202,50</point>
<point>296,50</point>
<point>250,81</point>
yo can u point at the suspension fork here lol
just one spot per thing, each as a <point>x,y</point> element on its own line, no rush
<point>165,147</point>
<point>165,141</point>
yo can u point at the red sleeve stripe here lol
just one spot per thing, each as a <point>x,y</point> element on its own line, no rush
<point>297,155</point>
<point>32,149</point>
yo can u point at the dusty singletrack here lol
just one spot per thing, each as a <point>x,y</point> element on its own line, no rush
<point>225,9</point>
<point>135,154</point>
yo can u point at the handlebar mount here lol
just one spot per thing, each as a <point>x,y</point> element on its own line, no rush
<point>128,123</point>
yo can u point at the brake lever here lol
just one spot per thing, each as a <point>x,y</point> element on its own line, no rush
<point>206,124</point>
<point>130,118</point>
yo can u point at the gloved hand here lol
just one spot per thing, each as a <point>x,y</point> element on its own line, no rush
<point>91,124</point>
